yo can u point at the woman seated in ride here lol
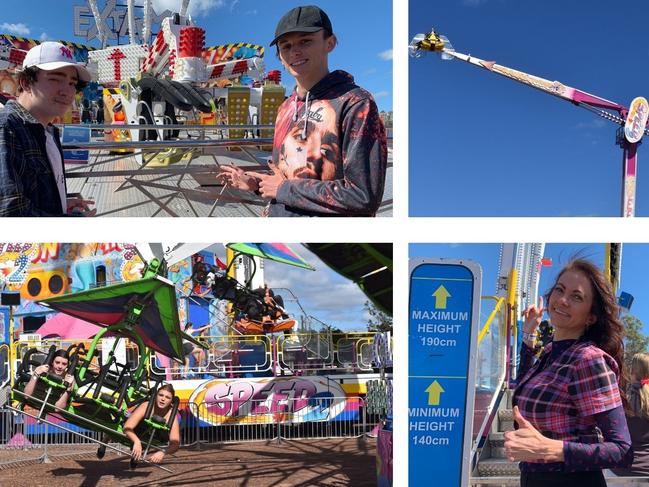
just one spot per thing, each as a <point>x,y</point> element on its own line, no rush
<point>57,366</point>
<point>136,427</point>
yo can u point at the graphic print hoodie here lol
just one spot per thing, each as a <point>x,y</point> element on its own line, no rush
<point>331,148</point>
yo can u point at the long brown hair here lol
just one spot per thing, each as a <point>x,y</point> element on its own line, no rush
<point>640,369</point>
<point>607,331</point>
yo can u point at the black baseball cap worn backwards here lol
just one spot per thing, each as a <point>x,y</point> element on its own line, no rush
<point>303,19</point>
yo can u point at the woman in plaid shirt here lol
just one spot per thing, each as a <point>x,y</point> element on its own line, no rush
<point>568,403</point>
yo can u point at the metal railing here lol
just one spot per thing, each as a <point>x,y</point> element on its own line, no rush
<point>294,354</point>
<point>494,362</point>
<point>34,442</point>
<point>4,363</point>
<point>278,419</point>
<point>228,356</point>
<point>274,418</point>
<point>491,370</point>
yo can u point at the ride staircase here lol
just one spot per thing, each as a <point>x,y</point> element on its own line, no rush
<point>493,468</point>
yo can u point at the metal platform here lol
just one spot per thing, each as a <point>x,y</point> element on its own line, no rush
<point>121,187</point>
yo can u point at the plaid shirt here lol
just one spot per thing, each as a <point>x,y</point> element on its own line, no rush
<point>561,394</point>
<point>27,183</point>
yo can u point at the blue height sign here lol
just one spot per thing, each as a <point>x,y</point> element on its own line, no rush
<point>73,135</point>
<point>443,324</point>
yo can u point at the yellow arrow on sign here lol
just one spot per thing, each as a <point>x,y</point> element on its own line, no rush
<point>441,295</point>
<point>434,393</point>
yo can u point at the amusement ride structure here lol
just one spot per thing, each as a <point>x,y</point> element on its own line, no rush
<point>168,110</point>
<point>181,100</point>
<point>256,366</point>
<point>633,119</point>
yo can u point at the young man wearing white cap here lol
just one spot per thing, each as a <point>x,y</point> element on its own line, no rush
<point>32,173</point>
<point>329,149</point>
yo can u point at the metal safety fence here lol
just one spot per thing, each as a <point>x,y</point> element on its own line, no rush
<point>275,418</point>
<point>24,440</point>
<point>279,418</point>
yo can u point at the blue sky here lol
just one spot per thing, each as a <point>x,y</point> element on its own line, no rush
<point>485,145</point>
<point>633,280</point>
<point>226,21</point>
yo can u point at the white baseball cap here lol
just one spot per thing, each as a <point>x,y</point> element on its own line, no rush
<point>49,56</point>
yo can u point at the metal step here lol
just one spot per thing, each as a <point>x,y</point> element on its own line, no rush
<point>498,467</point>
<point>497,445</point>
<point>506,420</point>
<point>497,439</point>
<point>495,481</point>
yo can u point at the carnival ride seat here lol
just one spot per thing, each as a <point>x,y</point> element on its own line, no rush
<point>104,397</point>
<point>155,428</point>
<point>100,400</point>
<point>103,412</point>
<point>250,327</point>
<point>263,312</point>
<point>260,310</point>
<point>49,387</point>
<point>157,424</point>
<point>145,312</point>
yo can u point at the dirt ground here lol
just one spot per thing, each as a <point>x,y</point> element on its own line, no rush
<point>334,462</point>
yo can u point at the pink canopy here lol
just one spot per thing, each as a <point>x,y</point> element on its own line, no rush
<point>67,327</point>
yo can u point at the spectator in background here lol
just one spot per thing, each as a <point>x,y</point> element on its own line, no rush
<point>190,349</point>
<point>100,111</point>
<point>85,111</point>
<point>637,416</point>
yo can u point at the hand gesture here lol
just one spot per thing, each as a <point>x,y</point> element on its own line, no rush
<point>80,207</point>
<point>526,444</point>
<point>237,178</point>
<point>269,183</point>
<point>532,317</point>
<point>42,369</point>
<point>69,380</point>
<point>136,451</point>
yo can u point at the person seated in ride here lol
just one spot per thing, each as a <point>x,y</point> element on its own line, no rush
<point>136,427</point>
<point>57,366</point>
<point>273,305</point>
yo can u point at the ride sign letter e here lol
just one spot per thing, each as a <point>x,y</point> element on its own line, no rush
<point>443,327</point>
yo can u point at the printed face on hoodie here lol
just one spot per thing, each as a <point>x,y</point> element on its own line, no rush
<point>305,54</point>
<point>316,155</point>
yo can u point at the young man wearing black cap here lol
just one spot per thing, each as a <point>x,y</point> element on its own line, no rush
<point>330,149</point>
<point>32,173</point>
